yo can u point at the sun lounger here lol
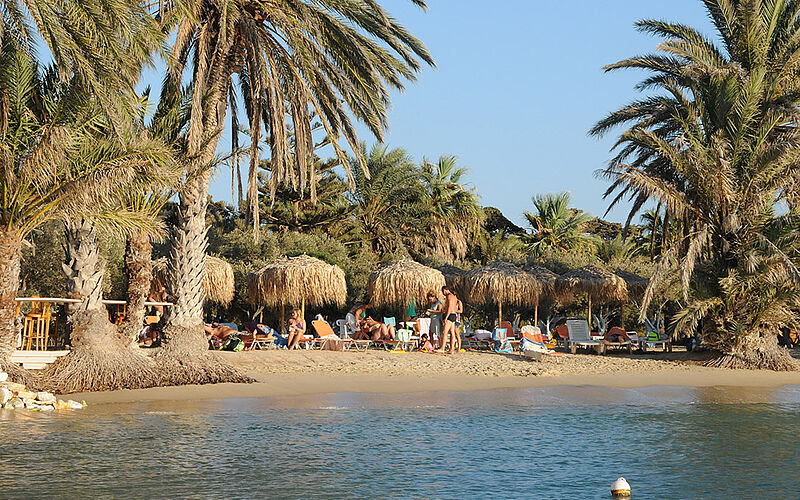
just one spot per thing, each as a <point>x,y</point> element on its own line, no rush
<point>625,344</point>
<point>654,339</point>
<point>580,336</point>
<point>326,338</point>
<point>258,339</point>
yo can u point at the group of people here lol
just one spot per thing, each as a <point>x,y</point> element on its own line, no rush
<point>444,332</point>
<point>445,323</point>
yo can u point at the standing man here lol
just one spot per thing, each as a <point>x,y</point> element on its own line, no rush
<point>450,316</point>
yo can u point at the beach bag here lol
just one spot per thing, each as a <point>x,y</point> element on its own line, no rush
<point>233,344</point>
<point>503,347</point>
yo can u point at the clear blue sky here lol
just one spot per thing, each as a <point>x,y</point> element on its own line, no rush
<point>518,83</point>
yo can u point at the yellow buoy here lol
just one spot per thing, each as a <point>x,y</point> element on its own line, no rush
<point>620,488</point>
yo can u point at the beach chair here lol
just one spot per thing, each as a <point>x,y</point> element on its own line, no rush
<point>561,335</point>
<point>347,330</point>
<point>326,338</point>
<point>580,336</point>
<point>623,345</point>
<point>259,339</point>
<point>532,337</point>
<point>654,339</point>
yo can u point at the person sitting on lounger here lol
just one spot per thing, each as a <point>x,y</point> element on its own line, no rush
<point>297,328</point>
<point>616,335</point>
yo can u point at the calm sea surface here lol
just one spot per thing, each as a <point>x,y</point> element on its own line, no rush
<point>559,442</point>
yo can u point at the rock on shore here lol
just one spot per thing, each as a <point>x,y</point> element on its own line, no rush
<point>15,396</point>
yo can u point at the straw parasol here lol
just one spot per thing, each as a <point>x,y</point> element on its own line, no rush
<point>597,283</point>
<point>501,282</point>
<point>547,281</point>
<point>635,283</point>
<point>302,279</point>
<point>398,283</point>
<point>453,276</point>
<point>218,283</point>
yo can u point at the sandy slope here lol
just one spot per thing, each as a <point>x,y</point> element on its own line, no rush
<point>285,373</point>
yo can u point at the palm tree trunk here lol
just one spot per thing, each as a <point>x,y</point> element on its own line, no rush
<point>10,245</point>
<point>99,359</point>
<point>757,349</point>
<point>139,275</point>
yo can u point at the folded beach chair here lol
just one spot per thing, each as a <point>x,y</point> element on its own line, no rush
<point>326,338</point>
<point>624,344</point>
<point>532,344</point>
<point>580,336</point>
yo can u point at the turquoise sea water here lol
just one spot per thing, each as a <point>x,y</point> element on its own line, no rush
<point>558,442</point>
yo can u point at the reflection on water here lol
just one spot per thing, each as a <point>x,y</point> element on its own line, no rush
<point>558,442</point>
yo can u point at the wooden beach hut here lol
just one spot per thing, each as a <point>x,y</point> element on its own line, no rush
<point>218,283</point>
<point>297,280</point>
<point>597,284</point>
<point>400,282</point>
<point>502,283</point>
<point>547,282</point>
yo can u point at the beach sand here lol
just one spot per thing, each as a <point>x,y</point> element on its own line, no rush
<point>294,373</point>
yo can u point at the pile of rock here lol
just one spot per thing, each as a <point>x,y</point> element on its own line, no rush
<point>15,396</point>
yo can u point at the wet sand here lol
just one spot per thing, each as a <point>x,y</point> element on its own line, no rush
<point>296,373</point>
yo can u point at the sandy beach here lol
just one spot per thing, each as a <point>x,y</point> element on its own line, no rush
<point>287,373</point>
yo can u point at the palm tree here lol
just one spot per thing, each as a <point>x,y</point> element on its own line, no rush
<point>285,52</point>
<point>454,214</point>
<point>54,166</point>
<point>717,147</point>
<point>617,251</point>
<point>652,224</point>
<point>102,44</point>
<point>556,226</point>
<point>386,205</point>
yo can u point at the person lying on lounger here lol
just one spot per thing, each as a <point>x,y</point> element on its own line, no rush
<point>217,334</point>
<point>375,330</point>
<point>616,335</point>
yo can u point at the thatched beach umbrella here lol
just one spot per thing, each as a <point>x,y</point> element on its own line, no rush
<point>502,283</point>
<point>218,283</point>
<point>547,281</point>
<point>635,283</point>
<point>294,280</point>
<point>596,283</point>
<point>453,276</point>
<point>398,283</point>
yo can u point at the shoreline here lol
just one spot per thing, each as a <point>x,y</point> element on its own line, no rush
<point>324,373</point>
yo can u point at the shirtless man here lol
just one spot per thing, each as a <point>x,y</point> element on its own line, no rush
<point>216,333</point>
<point>450,315</point>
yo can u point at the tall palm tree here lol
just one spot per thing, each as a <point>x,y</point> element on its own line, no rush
<point>718,147</point>
<point>556,226</point>
<point>330,57</point>
<point>102,44</point>
<point>651,220</point>
<point>386,205</point>
<point>454,214</point>
<point>53,166</point>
